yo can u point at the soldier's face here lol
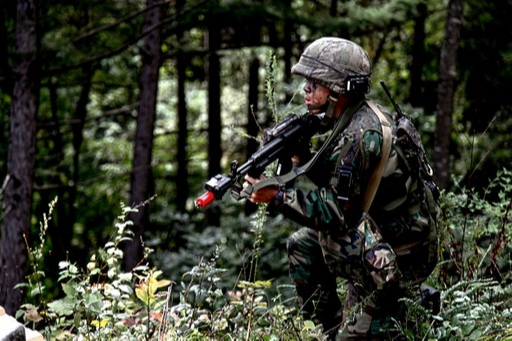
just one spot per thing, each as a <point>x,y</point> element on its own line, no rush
<point>315,96</point>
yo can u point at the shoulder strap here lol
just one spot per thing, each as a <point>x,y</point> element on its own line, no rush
<point>374,182</point>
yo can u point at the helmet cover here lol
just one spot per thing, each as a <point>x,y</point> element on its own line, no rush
<point>329,61</point>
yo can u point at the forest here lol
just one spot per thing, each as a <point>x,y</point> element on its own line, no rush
<point>115,114</point>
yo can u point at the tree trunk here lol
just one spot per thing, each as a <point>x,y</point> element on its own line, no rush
<point>418,51</point>
<point>17,201</point>
<point>182,189</point>
<point>252,123</point>
<point>78,137</point>
<point>214,118</point>
<point>6,83</point>
<point>447,75</point>
<point>342,31</point>
<point>288,52</point>
<point>61,231</point>
<point>141,175</point>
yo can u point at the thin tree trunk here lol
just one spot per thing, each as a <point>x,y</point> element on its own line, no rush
<point>252,123</point>
<point>17,201</point>
<point>418,51</point>
<point>6,83</point>
<point>447,76</point>
<point>214,118</point>
<point>288,51</point>
<point>333,9</point>
<point>333,12</point>
<point>61,231</point>
<point>182,188</point>
<point>141,176</point>
<point>66,227</point>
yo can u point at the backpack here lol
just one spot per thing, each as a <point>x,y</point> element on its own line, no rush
<point>406,202</point>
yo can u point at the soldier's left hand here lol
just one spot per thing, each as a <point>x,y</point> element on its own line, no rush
<point>263,195</point>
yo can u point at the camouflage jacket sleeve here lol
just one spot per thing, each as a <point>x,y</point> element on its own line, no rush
<point>336,201</point>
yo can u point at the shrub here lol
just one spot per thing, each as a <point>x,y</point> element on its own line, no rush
<point>208,302</point>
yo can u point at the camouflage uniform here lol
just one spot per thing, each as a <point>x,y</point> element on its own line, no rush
<point>330,245</point>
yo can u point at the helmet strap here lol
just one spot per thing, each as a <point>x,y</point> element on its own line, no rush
<point>329,112</point>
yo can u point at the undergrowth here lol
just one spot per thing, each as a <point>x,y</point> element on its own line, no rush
<point>101,302</point>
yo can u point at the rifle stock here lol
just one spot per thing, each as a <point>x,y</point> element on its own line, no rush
<point>278,142</point>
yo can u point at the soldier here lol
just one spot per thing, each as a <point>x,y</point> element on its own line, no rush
<point>376,253</point>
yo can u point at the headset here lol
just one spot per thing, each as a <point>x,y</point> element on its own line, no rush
<point>357,85</point>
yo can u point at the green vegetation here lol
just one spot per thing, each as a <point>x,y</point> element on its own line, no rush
<point>100,302</point>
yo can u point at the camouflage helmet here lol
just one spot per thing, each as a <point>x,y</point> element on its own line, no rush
<point>329,61</point>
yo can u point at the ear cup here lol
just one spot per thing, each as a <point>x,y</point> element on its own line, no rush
<point>357,85</point>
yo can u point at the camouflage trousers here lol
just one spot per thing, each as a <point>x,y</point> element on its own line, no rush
<point>316,259</point>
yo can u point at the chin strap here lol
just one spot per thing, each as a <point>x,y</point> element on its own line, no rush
<point>329,112</point>
<point>327,107</point>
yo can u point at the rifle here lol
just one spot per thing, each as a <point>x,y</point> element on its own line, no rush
<point>278,142</point>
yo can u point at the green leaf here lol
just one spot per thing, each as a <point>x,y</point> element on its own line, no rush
<point>163,283</point>
<point>127,276</point>
<point>69,289</point>
<point>63,265</point>
<point>77,318</point>
<point>62,307</point>
<point>126,289</point>
<point>73,269</point>
<point>142,295</point>
<point>263,284</point>
<point>36,291</point>
<point>309,325</point>
<point>21,285</point>
<point>94,301</point>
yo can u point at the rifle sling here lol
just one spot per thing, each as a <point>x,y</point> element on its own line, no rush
<point>298,171</point>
